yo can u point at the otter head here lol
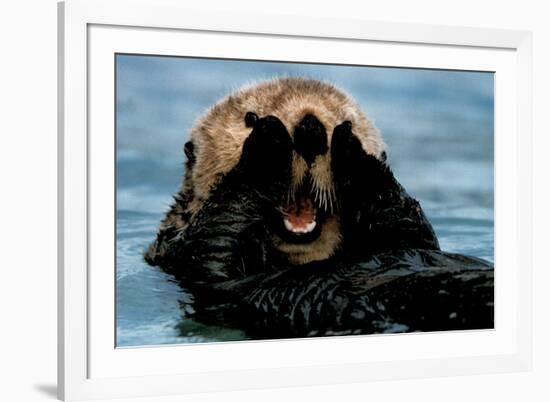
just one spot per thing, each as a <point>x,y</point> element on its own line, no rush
<point>308,228</point>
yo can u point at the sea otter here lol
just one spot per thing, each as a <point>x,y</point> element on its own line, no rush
<point>289,222</point>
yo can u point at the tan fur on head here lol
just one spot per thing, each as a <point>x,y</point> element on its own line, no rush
<point>219,135</point>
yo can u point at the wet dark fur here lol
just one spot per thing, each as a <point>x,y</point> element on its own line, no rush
<point>388,275</point>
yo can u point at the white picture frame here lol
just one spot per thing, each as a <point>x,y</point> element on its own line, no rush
<point>90,367</point>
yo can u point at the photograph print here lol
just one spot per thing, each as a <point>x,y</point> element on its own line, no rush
<point>274,200</point>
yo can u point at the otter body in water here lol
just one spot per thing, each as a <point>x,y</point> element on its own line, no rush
<point>290,223</point>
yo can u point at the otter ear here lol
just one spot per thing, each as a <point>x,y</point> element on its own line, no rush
<point>250,119</point>
<point>189,150</point>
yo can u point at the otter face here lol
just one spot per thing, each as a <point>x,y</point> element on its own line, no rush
<point>308,227</point>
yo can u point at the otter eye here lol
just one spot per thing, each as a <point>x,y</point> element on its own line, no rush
<point>250,119</point>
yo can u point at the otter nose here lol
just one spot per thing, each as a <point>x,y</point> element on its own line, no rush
<point>310,138</point>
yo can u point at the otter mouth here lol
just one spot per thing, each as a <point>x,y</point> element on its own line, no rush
<point>301,219</point>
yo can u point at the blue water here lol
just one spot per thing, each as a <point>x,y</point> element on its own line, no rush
<point>438,126</point>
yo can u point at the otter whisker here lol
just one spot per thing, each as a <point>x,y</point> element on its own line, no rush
<point>317,195</point>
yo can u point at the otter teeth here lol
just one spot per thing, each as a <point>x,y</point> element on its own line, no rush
<point>305,229</point>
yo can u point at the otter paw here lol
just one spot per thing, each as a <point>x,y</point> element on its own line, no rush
<point>267,152</point>
<point>351,165</point>
<point>347,154</point>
